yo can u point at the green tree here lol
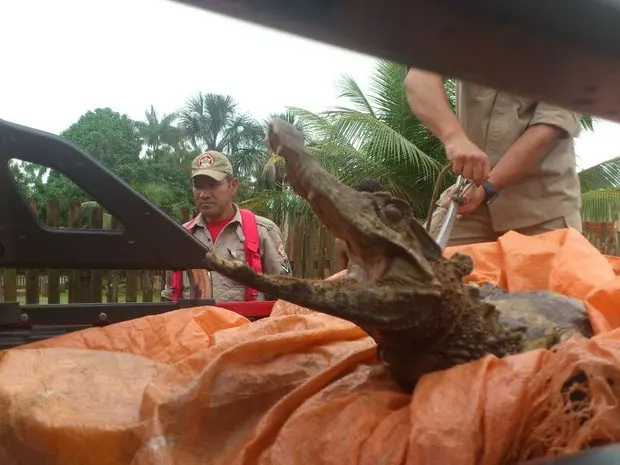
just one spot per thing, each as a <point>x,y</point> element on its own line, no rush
<point>108,136</point>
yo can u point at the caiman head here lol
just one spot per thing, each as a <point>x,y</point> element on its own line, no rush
<point>382,235</point>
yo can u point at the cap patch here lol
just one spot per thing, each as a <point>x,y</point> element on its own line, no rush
<point>204,161</point>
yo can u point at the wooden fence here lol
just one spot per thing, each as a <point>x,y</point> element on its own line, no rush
<point>605,236</point>
<point>310,250</point>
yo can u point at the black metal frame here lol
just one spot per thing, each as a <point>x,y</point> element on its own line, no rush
<point>12,313</point>
<point>149,240</point>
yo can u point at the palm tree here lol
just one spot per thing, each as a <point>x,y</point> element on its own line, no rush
<point>212,122</point>
<point>600,191</point>
<point>372,135</point>
<point>159,131</point>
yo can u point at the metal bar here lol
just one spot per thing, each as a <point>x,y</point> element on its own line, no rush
<point>12,313</point>
<point>443,236</point>
<point>89,313</point>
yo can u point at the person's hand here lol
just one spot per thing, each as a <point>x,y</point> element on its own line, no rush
<point>472,199</point>
<point>468,160</point>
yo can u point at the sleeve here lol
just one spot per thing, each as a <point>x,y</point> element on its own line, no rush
<point>275,260</point>
<point>568,121</point>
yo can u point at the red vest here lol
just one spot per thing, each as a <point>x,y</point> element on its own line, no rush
<point>252,253</point>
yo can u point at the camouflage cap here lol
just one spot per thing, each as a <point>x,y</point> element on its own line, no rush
<point>213,164</point>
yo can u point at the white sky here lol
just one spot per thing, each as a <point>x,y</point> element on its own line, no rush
<point>62,58</point>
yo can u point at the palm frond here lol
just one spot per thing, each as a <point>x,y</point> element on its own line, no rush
<point>600,205</point>
<point>350,89</point>
<point>276,204</point>
<point>605,175</point>
<point>587,122</point>
<point>384,141</point>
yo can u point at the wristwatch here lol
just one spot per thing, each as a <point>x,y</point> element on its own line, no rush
<point>490,191</point>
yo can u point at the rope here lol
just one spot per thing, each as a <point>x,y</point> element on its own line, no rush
<point>433,205</point>
<point>457,196</point>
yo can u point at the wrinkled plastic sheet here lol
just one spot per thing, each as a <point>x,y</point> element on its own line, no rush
<point>206,386</point>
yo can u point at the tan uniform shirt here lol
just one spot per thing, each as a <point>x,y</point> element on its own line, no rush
<point>494,120</point>
<point>229,245</point>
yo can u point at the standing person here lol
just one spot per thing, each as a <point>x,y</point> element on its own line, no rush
<point>234,233</point>
<point>519,153</point>
<point>341,254</point>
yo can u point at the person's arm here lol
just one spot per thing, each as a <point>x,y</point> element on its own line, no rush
<point>549,124</point>
<point>427,99</point>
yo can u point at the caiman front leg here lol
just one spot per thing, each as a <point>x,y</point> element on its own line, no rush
<point>367,305</point>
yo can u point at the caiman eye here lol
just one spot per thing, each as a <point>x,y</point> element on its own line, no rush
<point>392,213</point>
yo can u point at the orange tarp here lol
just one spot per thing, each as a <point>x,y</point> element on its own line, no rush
<point>615,263</point>
<point>205,386</point>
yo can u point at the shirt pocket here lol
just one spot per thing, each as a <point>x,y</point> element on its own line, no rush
<point>236,254</point>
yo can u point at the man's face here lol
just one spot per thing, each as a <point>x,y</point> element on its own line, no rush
<point>213,198</point>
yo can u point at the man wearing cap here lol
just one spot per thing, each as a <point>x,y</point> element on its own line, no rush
<point>222,225</point>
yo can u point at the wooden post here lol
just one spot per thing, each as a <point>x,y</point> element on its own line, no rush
<point>291,244</point>
<point>147,286</point>
<point>53,221</point>
<point>321,253</point>
<point>79,284</point>
<point>131,286</point>
<point>298,253</point>
<point>308,253</point>
<point>9,279</point>
<point>112,275</point>
<point>96,276</point>
<point>32,281</point>
<point>332,252</point>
